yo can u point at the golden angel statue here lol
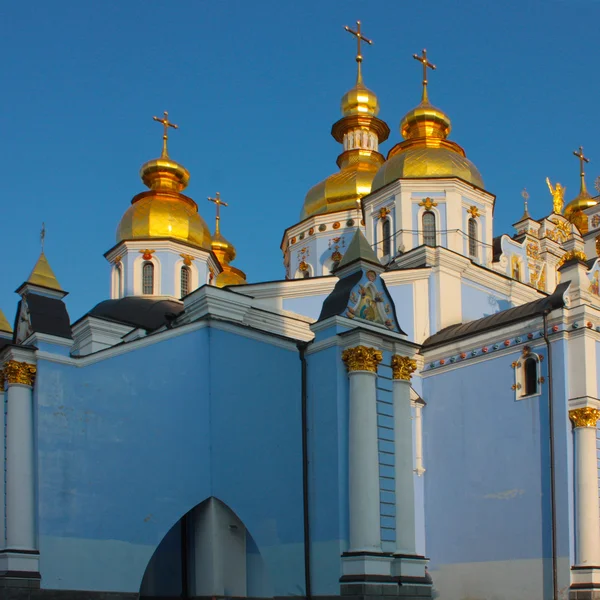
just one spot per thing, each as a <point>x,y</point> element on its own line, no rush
<point>558,195</point>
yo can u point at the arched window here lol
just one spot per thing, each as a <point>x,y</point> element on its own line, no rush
<point>429,235</point>
<point>148,278</point>
<point>472,237</point>
<point>386,237</point>
<point>516,268</point>
<point>186,276</point>
<point>119,281</point>
<point>530,376</point>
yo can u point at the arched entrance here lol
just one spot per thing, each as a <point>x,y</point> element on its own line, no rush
<point>208,552</point>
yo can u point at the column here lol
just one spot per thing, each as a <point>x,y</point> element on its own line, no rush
<point>363,451</point>
<point>402,370</point>
<point>587,515</point>
<point>2,462</point>
<point>20,471</point>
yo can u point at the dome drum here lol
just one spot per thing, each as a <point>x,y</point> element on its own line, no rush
<point>345,124</point>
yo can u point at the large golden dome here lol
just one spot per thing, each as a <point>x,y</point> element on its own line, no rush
<point>164,212</point>
<point>426,152</point>
<point>360,132</point>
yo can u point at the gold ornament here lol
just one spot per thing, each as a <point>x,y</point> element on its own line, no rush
<point>571,255</point>
<point>403,367</point>
<point>558,195</point>
<point>362,358</point>
<point>564,229</point>
<point>19,372</point>
<point>428,203</point>
<point>474,211</point>
<point>187,259</point>
<point>384,211</point>
<point>584,417</point>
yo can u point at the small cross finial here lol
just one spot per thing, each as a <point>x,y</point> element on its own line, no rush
<point>166,124</point>
<point>525,195</point>
<point>43,235</point>
<point>426,65</point>
<point>218,202</point>
<point>359,38</point>
<point>582,161</point>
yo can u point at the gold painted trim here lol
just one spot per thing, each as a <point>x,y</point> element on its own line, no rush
<point>403,367</point>
<point>19,372</point>
<point>584,417</point>
<point>362,358</point>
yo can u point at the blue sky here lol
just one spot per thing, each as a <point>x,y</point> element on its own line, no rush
<point>255,87</point>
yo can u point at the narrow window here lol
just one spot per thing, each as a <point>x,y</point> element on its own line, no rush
<point>185,281</point>
<point>472,237</point>
<point>119,282</point>
<point>386,237</point>
<point>148,278</point>
<point>516,270</point>
<point>530,377</point>
<point>429,236</point>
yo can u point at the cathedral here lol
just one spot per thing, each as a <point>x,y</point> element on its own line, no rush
<point>410,412</point>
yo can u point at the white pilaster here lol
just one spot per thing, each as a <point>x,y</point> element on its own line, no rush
<point>587,514</point>
<point>2,465</point>
<point>403,449</point>
<point>363,457</point>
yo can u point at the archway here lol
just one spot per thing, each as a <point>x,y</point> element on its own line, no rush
<point>208,552</point>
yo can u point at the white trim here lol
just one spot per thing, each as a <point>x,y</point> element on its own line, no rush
<point>138,287</point>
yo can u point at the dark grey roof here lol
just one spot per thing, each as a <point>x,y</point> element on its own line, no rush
<point>499,319</point>
<point>358,249</point>
<point>337,301</point>
<point>496,248</point>
<point>141,312</point>
<point>48,315</point>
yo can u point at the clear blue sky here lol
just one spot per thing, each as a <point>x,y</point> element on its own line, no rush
<point>255,87</point>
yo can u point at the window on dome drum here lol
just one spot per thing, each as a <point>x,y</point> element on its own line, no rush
<point>386,237</point>
<point>530,378</point>
<point>185,280</point>
<point>472,237</point>
<point>429,234</point>
<point>148,278</point>
<point>119,290</point>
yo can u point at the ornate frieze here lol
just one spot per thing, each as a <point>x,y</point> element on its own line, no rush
<point>584,417</point>
<point>571,255</point>
<point>362,358</point>
<point>403,367</point>
<point>19,372</point>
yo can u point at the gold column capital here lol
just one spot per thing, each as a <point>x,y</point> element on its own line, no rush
<point>403,367</point>
<point>362,358</point>
<point>19,372</point>
<point>584,417</point>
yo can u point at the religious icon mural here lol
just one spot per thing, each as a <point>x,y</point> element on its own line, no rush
<point>368,301</point>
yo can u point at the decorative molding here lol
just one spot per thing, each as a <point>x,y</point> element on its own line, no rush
<point>362,358</point>
<point>147,254</point>
<point>428,203</point>
<point>403,367</point>
<point>22,373</point>
<point>187,259</point>
<point>571,255</point>
<point>473,211</point>
<point>584,417</point>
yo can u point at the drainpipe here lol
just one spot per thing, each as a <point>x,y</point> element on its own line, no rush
<point>552,469</point>
<point>305,498</point>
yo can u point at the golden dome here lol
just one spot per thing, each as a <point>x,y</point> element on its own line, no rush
<point>222,247</point>
<point>574,209</point>
<point>230,276</point>
<point>359,100</point>
<point>164,212</point>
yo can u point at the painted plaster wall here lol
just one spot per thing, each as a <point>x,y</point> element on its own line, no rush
<point>487,492</point>
<point>479,301</point>
<point>403,297</point>
<point>128,445</point>
<point>309,306</point>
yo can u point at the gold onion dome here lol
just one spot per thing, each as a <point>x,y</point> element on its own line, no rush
<point>360,132</point>
<point>426,150</point>
<point>574,209</point>
<point>163,211</point>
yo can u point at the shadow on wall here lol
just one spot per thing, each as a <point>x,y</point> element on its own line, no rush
<point>208,552</point>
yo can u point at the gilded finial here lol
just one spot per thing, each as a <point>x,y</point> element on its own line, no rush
<point>582,160</point>
<point>218,202</point>
<point>558,196</point>
<point>525,195</point>
<point>43,236</point>
<point>426,65</point>
<point>359,38</point>
<point>166,124</point>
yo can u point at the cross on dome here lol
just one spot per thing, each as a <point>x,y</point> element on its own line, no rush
<point>426,65</point>
<point>582,160</point>
<point>218,203</point>
<point>166,124</point>
<point>359,38</point>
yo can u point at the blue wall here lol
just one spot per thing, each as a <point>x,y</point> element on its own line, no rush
<point>479,301</point>
<point>130,444</point>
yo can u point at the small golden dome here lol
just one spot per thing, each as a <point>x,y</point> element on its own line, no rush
<point>164,174</point>
<point>222,248</point>
<point>360,101</point>
<point>230,276</point>
<point>574,209</point>
<point>425,120</point>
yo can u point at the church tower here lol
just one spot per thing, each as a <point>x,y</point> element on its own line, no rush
<point>331,211</point>
<point>163,244</point>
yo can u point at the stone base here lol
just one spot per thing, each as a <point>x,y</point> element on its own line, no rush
<point>585,583</point>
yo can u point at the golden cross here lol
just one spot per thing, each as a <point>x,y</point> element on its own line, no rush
<point>166,124</point>
<point>582,160</point>
<point>43,236</point>
<point>218,202</point>
<point>359,38</point>
<point>426,64</point>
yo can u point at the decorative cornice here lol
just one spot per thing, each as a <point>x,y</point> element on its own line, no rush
<point>584,417</point>
<point>571,255</point>
<point>19,372</point>
<point>362,358</point>
<point>403,367</point>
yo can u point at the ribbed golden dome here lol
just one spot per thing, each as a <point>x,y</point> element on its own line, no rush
<point>230,276</point>
<point>359,101</point>
<point>225,252</point>
<point>574,209</point>
<point>164,212</point>
<point>222,247</point>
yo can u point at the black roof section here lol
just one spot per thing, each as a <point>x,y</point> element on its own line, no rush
<point>499,319</point>
<point>140,312</point>
<point>48,315</point>
<point>337,301</point>
<point>496,248</point>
